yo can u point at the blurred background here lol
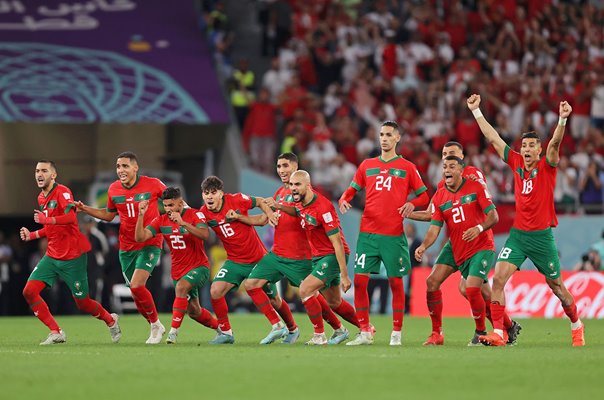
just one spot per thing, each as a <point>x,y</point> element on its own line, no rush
<point>206,87</point>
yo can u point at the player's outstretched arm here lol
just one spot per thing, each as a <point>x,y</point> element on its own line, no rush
<point>26,235</point>
<point>552,154</point>
<point>289,210</point>
<point>100,213</point>
<point>200,232</point>
<point>487,129</point>
<point>489,222</point>
<point>424,215</point>
<point>252,220</point>
<point>273,218</point>
<point>336,241</point>
<point>142,234</point>
<point>429,240</point>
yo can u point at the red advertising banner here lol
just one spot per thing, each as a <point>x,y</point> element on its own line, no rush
<point>527,295</point>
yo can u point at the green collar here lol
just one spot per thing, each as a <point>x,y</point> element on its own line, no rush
<point>314,197</point>
<point>134,184</point>
<point>392,159</point>
<point>463,180</point>
<point>53,188</point>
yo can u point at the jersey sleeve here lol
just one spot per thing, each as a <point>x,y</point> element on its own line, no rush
<point>512,158</point>
<point>417,185</point>
<point>199,219</point>
<point>65,200</point>
<point>244,201</point>
<point>329,219</point>
<point>154,226</point>
<point>484,199</point>
<point>358,182</point>
<point>110,204</point>
<point>159,188</point>
<point>437,215</point>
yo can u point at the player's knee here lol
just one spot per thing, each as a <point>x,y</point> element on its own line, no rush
<point>498,283</point>
<point>462,290</point>
<point>485,290</point>
<point>136,285</point>
<point>29,293</point>
<point>85,305</point>
<point>432,283</point>
<point>304,292</point>
<point>215,292</point>
<point>334,303</point>
<point>250,284</point>
<point>193,312</point>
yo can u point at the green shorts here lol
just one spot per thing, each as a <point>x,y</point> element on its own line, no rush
<point>327,270</point>
<point>272,268</point>
<point>478,265</point>
<point>236,273</point>
<point>73,272</point>
<point>373,249</point>
<point>538,246</point>
<point>446,256</point>
<point>196,277</point>
<point>146,258</point>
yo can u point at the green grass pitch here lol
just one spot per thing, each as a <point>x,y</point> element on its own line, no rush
<point>542,366</point>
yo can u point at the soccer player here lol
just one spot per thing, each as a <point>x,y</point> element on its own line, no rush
<point>445,265</point>
<point>290,257</point>
<point>388,180</point>
<point>462,205</point>
<point>184,232</point>
<point>329,253</point>
<point>531,235</point>
<point>244,250</point>
<point>65,258</point>
<point>137,259</point>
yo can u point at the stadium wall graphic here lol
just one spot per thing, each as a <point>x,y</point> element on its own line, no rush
<point>106,61</point>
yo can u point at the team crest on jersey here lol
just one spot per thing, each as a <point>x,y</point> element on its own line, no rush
<point>533,173</point>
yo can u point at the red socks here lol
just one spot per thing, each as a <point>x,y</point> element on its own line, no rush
<point>328,314</point>
<point>207,319</point>
<point>478,307</point>
<point>286,316</point>
<point>31,292</point>
<point>221,309</point>
<point>435,308</point>
<point>497,312</point>
<point>571,312</point>
<point>179,308</point>
<point>398,303</point>
<point>361,300</point>
<point>313,309</point>
<point>144,303</point>
<point>93,308</point>
<point>263,304</point>
<point>346,311</point>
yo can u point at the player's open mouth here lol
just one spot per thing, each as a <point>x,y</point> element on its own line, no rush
<point>123,177</point>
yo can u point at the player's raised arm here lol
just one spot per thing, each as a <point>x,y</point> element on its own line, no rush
<point>200,231</point>
<point>338,246</point>
<point>487,129</point>
<point>100,213</point>
<point>552,154</point>
<point>142,234</point>
<point>289,210</point>
<point>423,215</point>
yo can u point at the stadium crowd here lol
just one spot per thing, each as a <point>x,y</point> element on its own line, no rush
<point>340,68</point>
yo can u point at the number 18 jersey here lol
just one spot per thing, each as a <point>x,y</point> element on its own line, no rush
<point>387,185</point>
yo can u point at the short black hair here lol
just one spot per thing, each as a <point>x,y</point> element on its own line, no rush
<point>453,143</point>
<point>171,193</point>
<point>52,163</point>
<point>392,124</point>
<point>451,158</point>
<point>212,183</point>
<point>531,135</point>
<point>128,154</point>
<point>289,157</point>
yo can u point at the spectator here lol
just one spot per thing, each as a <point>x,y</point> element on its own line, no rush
<point>590,188</point>
<point>341,172</point>
<point>319,156</point>
<point>260,133</point>
<point>599,246</point>
<point>566,193</point>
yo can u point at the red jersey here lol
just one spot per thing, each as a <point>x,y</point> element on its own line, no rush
<point>319,220</point>
<point>467,171</point>
<point>65,242</point>
<point>125,201</point>
<point>462,210</point>
<point>186,250</point>
<point>387,185</point>
<point>290,238</point>
<point>534,193</point>
<point>240,240</point>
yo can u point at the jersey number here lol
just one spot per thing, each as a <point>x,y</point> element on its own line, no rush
<point>527,186</point>
<point>221,273</point>
<point>177,242</point>
<point>130,208</point>
<point>458,215</point>
<point>226,230</point>
<point>359,260</point>
<point>504,254</point>
<point>381,183</point>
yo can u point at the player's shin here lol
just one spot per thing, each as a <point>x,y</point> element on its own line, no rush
<point>328,314</point>
<point>398,303</point>
<point>144,300</point>
<point>313,309</point>
<point>93,308</point>
<point>179,308</point>
<point>221,309</point>
<point>347,311</point>
<point>286,315</point>
<point>478,307</point>
<point>207,319</point>
<point>31,292</point>
<point>361,300</point>
<point>497,312</point>
<point>263,304</point>
<point>435,308</point>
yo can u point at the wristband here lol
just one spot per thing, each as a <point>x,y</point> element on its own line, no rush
<point>34,235</point>
<point>477,113</point>
<point>562,121</point>
<point>480,228</point>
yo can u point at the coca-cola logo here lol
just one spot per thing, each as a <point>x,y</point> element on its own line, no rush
<point>532,297</point>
